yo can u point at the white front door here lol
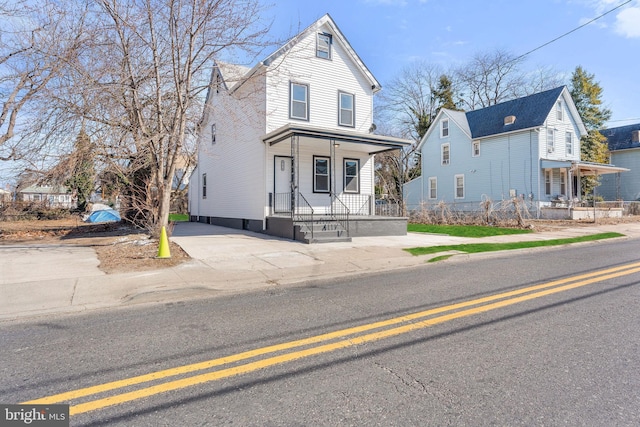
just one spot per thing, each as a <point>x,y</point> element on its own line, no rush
<point>282,184</point>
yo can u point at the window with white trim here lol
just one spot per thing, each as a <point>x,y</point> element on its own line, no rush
<point>459,182</point>
<point>323,46</point>
<point>346,110</point>
<point>204,185</point>
<point>547,182</point>
<point>351,175</point>
<point>433,187</point>
<point>321,171</point>
<point>444,128</point>
<point>445,154</point>
<point>476,148</point>
<point>299,101</point>
<point>568,138</point>
<point>559,110</point>
<point>551,133</point>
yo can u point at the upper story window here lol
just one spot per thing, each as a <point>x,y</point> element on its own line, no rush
<point>444,154</point>
<point>559,110</point>
<point>347,110</point>
<point>444,128</point>
<point>551,143</point>
<point>204,185</point>
<point>476,148</point>
<point>569,142</point>
<point>299,101</point>
<point>323,46</point>
<point>213,134</point>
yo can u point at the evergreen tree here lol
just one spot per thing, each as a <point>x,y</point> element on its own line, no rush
<point>587,96</point>
<point>83,173</point>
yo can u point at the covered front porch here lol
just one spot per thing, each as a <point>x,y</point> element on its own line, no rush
<point>321,184</point>
<point>570,205</point>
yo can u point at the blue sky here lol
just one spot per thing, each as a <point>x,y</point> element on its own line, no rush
<point>391,34</point>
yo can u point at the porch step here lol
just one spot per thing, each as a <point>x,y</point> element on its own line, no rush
<point>323,232</point>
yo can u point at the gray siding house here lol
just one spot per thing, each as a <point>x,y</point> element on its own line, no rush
<point>624,146</point>
<point>527,148</point>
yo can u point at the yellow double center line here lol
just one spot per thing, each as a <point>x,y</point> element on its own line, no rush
<point>410,322</point>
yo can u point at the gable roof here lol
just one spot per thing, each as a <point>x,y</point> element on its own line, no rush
<point>530,112</point>
<point>338,36</point>
<point>619,138</point>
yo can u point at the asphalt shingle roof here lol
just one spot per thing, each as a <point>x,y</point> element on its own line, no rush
<point>619,138</point>
<point>530,111</point>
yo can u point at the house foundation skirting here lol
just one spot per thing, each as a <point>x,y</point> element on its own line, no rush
<point>577,213</point>
<point>237,223</point>
<point>358,227</point>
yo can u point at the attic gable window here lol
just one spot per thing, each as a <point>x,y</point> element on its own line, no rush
<point>551,146</point>
<point>559,110</point>
<point>323,46</point>
<point>444,128</point>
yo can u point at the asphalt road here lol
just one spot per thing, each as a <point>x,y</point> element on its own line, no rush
<point>466,342</point>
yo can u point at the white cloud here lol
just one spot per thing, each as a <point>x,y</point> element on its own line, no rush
<point>628,22</point>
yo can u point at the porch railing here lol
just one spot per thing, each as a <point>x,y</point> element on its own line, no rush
<point>282,203</point>
<point>303,212</point>
<point>340,212</point>
<point>358,204</point>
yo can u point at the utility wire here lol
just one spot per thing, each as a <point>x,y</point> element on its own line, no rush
<point>574,30</point>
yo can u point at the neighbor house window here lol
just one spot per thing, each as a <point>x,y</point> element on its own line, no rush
<point>476,148</point>
<point>569,141</point>
<point>204,185</point>
<point>551,140</point>
<point>559,110</point>
<point>346,110</point>
<point>213,133</point>
<point>459,181</point>
<point>444,128</point>
<point>321,170</point>
<point>299,105</point>
<point>547,182</point>
<point>563,182</point>
<point>444,154</point>
<point>351,178</point>
<point>323,46</point>
<point>433,188</point>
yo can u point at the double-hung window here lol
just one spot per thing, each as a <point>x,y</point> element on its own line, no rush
<point>433,188</point>
<point>321,174</point>
<point>346,109</point>
<point>323,46</point>
<point>204,185</point>
<point>459,181</point>
<point>299,104</point>
<point>563,182</point>
<point>476,149</point>
<point>551,140</point>
<point>444,128</point>
<point>559,110</point>
<point>444,154</point>
<point>213,134</point>
<point>351,175</point>
<point>547,182</point>
<point>569,142</point>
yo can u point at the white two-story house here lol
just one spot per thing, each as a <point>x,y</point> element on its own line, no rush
<point>527,148</point>
<point>287,148</point>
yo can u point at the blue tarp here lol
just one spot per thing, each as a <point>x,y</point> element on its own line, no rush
<point>107,215</point>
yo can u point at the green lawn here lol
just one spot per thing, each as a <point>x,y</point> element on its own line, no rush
<point>490,247</point>
<point>464,230</point>
<point>174,217</point>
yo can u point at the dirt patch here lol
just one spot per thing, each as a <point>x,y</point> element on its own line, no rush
<point>119,248</point>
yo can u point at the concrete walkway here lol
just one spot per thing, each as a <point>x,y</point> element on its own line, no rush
<point>42,279</point>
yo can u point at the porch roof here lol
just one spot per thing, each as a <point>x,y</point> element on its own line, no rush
<point>380,142</point>
<point>585,168</point>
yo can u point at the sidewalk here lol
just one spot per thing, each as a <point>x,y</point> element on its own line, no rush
<point>39,280</point>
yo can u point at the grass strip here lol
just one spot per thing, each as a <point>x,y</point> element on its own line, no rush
<point>174,217</point>
<point>490,247</point>
<point>465,230</point>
